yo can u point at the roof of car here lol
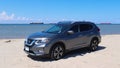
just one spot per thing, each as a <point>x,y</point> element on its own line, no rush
<point>73,22</point>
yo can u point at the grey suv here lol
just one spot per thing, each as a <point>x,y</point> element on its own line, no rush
<point>63,37</point>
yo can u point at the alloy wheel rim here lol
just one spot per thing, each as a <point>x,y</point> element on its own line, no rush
<point>58,52</point>
<point>94,45</point>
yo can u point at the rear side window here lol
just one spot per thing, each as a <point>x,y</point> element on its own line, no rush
<point>85,27</point>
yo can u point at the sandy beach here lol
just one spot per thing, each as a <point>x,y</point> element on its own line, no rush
<point>106,56</point>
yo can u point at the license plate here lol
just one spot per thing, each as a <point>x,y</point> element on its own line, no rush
<point>27,48</point>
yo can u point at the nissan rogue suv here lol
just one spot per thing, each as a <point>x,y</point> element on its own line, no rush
<point>62,37</point>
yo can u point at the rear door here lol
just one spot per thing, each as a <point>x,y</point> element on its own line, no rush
<point>85,33</point>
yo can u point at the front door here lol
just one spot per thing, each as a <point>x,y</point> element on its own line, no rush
<point>72,40</point>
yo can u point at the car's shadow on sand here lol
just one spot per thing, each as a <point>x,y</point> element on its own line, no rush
<point>74,53</point>
<point>81,52</point>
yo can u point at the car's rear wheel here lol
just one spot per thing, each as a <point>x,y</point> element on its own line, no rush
<point>57,52</point>
<point>93,45</point>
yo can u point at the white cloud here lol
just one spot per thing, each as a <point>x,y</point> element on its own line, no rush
<point>22,18</point>
<point>5,16</point>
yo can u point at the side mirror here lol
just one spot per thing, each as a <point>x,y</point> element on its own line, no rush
<point>70,32</point>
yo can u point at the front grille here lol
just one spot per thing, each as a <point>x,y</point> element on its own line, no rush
<point>29,41</point>
<point>31,52</point>
<point>28,45</point>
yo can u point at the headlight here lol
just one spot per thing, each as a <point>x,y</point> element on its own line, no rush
<point>45,40</point>
<point>41,41</point>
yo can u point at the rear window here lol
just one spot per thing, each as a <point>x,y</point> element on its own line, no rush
<point>85,27</point>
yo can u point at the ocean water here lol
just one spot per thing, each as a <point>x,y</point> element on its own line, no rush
<point>108,29</point>
<point>20,30</point>
<point>23,30</point>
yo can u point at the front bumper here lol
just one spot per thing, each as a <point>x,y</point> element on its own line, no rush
<point>33,54</point>
<point>37,49</point>
<point>34,50</point>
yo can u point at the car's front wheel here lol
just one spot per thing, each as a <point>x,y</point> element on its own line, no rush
<point>57,52</point>
<point>93,45</point>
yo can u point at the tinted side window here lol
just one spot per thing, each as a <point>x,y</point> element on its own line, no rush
<point>75,28</point>
<point>85,27</point>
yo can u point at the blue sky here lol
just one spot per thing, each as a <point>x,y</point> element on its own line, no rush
<point>50,11</point>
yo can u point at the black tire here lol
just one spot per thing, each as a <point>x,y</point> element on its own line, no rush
<point>93,45</point>
<point>57,52</point>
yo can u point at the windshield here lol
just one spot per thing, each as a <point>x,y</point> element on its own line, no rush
<point>56,29</point>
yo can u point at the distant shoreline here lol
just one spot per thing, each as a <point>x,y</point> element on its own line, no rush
<point>51,23</point>
<point>36,23</point>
